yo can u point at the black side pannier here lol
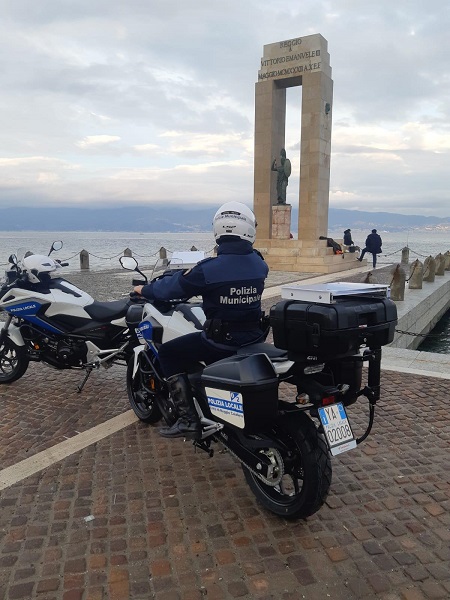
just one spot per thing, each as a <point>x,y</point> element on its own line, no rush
<point>242,391</point>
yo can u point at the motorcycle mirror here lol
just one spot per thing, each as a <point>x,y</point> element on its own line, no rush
<point>56,246</point>
<point>13,260</point>
<point>129,263</point>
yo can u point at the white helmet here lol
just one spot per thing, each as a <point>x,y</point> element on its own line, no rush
<point>235,218</point>
<point>37,264</point>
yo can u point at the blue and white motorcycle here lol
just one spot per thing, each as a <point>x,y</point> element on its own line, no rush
<point>280,409</point>
<point>51,320</point>
<point>160,322</point>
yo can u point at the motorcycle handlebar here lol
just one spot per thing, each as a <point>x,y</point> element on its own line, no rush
<point>135,297</point>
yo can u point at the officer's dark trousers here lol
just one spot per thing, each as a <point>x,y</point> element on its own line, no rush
<point>183,354</point>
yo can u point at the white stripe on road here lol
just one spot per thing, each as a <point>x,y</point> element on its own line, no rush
<point>46,458</point>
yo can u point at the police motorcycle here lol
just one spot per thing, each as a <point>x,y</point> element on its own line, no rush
<point>280,409</point>
<point>160,321</point>
<point>51,320</point>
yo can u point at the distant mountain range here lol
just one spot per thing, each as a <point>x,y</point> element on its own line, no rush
<point>179,218</point>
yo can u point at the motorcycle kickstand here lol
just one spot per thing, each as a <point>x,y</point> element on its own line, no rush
<point>86,377</point>
<point>205,446</point>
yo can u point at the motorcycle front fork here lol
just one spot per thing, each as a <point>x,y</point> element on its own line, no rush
<point>4,329</point>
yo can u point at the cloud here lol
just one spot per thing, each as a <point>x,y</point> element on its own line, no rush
<point>152,102</point>
<point>96,140</point>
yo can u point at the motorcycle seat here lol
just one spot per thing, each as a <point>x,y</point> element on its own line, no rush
<point>275,354</point>
<point>107,311</point>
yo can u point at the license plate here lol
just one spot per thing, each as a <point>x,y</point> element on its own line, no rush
<point>337,428</point>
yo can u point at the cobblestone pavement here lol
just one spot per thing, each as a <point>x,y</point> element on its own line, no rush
<point>169,523</point>
<point>135,516</point>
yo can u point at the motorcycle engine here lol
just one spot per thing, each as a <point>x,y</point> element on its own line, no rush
<point>71,353</point>
<point>60,353</point>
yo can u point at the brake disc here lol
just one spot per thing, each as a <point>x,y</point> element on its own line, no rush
<point>276,469</point>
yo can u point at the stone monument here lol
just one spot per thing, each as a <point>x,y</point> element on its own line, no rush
<point>300,61</point>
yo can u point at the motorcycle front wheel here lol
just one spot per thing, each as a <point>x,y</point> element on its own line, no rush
<point>142,389</point>
<point>305,467</point>
<point>13,361</point>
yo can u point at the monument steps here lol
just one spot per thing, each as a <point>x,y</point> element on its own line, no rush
<point>305,256</point>
<point>333,263</point>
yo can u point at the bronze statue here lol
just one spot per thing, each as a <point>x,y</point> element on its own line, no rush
<point>283,170</point>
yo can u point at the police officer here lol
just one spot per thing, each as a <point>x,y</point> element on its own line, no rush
<point>231,286</point>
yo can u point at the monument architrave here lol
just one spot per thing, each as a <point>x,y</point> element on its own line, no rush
<point>300,61</point>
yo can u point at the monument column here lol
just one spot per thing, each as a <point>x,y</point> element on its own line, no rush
<point>317,95</point>
<point>270,119</point>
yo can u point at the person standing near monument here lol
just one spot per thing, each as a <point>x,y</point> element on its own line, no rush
<point>283,170</point>
<point>373,245</point>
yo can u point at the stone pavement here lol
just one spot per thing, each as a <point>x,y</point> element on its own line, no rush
<point>134,516</point>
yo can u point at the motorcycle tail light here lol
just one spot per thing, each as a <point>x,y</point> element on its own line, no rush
<point>328,400</point>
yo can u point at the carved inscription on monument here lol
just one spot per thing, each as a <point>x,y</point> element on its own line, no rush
<point>292,58</point>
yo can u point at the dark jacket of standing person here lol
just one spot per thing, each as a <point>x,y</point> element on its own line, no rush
<point>231,287</point>
<point>348,238</point>
<point>373,245</point>
<point>373,242</point>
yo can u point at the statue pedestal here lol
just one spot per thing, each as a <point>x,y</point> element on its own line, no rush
<point>281,221</point>
<point>304,256</point>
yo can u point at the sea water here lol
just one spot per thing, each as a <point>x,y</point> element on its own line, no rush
<point>438,340</point>
<point>105,248</point>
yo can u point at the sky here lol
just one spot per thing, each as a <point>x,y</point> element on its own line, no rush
<point>143,101</point>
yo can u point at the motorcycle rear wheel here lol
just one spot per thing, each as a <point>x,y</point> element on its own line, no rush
<point>13,361</point>
<point>142,389</point>
<point>306,481</point>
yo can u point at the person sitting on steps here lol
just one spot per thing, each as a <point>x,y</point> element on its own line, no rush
<point>348,238</point>
<point>231,285</point>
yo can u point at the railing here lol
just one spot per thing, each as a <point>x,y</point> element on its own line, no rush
<point>162,255</point>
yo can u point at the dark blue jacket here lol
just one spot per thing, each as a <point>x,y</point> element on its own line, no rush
<point>373,243</point>
<point>231,285</point>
